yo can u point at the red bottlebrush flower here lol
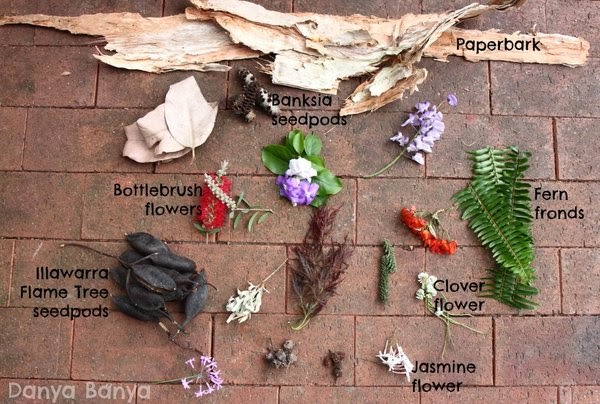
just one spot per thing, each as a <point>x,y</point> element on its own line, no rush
<point>213,211</point>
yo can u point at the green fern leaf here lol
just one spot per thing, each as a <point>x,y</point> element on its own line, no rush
<point>497,205</point>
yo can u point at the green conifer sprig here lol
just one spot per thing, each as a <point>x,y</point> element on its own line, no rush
<point>387,267</point>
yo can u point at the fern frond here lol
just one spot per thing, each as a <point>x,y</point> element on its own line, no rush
<point>498,207</point>
<point>505,287</point>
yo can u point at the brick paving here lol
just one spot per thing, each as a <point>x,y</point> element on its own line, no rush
<point>61,133</point>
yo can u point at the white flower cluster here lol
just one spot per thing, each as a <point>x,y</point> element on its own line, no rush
<point>246,303</point>
<point>396,360</point>
<point>218,192</point>
<point>427,289</point>
<point>301,169</point>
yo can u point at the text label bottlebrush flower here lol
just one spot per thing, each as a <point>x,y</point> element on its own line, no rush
<point>429,125</point>
<point>302,176</point>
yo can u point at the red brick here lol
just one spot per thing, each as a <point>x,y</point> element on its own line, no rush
<point>358,293</point>
<point>467,395</point>
<point>546,350</point>
<point>229,267</point>
<point>12,131</point>
<point>81,140</point>
<point>229,394</point>
<point>126,88</point>
<point>470,265</point>
<point>40,205</point>
<point>17,34</point>
<point>543,90</point>
<point>30,254</point>
<point>567,232</point>
<point>576,18</point>
<point>471,132</point>
<point>288,224</point>
<point>523,18</point>
<point>349,394</point>
<point>380,202</point>
<point>43,36</point>
<point>6,259</point>
<point>126,349</point>
<point>109,216</point>
<point>34,347</point>
<point>467,80</point>
<point>61,391</point>
<point>234,140</point>
<point>577,159</point>
<point>422,339</point>
<point>380,8</point>
<point>33,76</point>
<point>579,290</point>
<point>579,394</point>
<point>241,348</point>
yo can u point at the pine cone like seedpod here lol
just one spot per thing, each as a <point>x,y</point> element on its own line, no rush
<point>266,102</point>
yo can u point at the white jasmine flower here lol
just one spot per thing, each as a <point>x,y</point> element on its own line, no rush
<point>396,360</point>
<point>423,276</point>
<point>420,294</point>
<point>431,290</point>
<point>301,168</point>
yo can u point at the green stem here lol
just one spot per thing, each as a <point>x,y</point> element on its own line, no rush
<point>395,160</point>
<point>179,379</point>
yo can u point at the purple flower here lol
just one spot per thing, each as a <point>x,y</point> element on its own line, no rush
<point>185,383</point>
<point>299,192</point>
<point>452,100</point>
<point>430,124</point>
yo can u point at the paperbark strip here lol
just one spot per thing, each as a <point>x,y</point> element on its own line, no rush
<point>150,44</point>
<point>555,48</point>
<point>312,51</point>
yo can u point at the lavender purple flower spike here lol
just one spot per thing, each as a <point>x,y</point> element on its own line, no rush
<point>429,123</point>
<point>208,377</point>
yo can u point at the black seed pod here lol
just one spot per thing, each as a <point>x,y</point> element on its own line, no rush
<point>174,261</point>
<point>142,297</point>
<point>195,302</point>
<point>146,243</point>
<point>130,256</point>
<point>119,275</point>
<point>126,306</point>
<point>153,278</point>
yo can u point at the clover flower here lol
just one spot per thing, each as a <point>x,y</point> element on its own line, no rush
<point>396,360</point>
<point>297,191</point>
<point>301,168</point>
<point>426,293</point>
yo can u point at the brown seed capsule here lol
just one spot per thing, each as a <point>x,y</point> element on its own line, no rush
<point>146,243</point>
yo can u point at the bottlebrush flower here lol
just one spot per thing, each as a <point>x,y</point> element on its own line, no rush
<point>213,210</point>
